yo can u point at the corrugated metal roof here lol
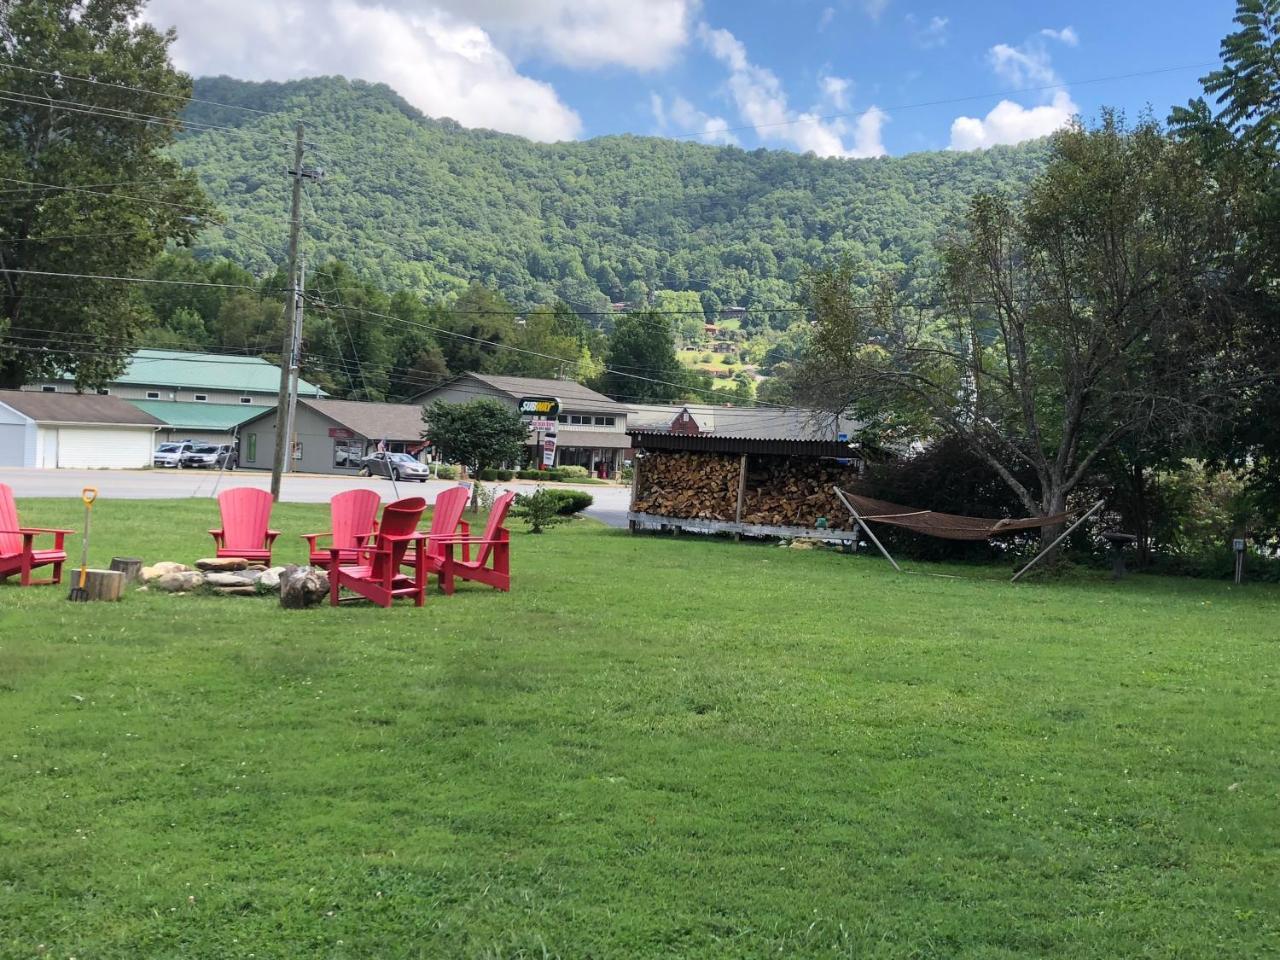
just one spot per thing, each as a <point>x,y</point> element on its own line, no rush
<point>760,423</point>
<point>187,415</point>
<point>714,443</point>
<point>211,371</point>
<point>76,408</point>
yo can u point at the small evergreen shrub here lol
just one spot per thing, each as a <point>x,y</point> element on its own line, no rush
<point>447,471</point>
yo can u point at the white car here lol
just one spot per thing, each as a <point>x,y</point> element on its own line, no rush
<point>171,454</point>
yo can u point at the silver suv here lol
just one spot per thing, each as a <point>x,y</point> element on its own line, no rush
<point>171,454</point>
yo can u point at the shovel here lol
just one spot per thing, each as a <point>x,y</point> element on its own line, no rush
<point>78,592</point>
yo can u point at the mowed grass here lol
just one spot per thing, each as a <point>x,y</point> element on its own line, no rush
<point>650,748</point>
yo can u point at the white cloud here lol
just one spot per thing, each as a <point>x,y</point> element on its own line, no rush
<point>1010,122</point>
<point>441,64</point>
<point>758,95</point>
<point>1022,66</point>
<point>930,35</point>
<point>836,89</point>
<point>641,34</point>
<point>1066,35</point>
<point>684,117</point>
<point>824,21</point>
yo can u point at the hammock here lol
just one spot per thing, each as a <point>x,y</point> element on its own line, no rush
<point>949,526</point>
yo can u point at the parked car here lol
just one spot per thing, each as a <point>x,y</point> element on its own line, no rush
<point>395,466</point>
<point>215,455</point>
<point>171,454</point>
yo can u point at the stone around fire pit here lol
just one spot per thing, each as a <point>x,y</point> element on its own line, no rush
<point>222,563</point>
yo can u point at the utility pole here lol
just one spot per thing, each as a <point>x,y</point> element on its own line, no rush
<point>296,355</point>
<point>289,354</point>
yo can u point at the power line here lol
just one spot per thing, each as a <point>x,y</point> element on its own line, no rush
<point>123,86</point>
<point>87,276</point>
<point>99,193</point>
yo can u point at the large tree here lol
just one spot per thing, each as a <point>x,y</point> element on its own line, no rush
<point>88,187</point>
<point>641,363</point>
<point>1094,310</point>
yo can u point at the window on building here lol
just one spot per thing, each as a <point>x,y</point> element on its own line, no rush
<point>563,418</point>
<point>348,453</point>
<point>577,418</point>
<point>297,449</point>
<point>48,389</point>
<point>202,397</point>
<point>246,399</point>
<point>600,421</point>
<point>153,394</point>
<point>251,448</point>
<point>609,421</point>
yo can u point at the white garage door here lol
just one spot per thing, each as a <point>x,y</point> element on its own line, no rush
<point>103,447</point>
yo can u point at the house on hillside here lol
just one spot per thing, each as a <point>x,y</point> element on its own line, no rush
<point>334,436</point>
<point>74,430</point>
<point>591,429</point>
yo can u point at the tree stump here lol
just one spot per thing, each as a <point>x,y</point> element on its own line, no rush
<point>131,567</point>
<point>101,584</point>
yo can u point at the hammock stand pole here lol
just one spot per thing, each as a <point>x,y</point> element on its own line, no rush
<point>862,523</point>
<point>1065,533</point>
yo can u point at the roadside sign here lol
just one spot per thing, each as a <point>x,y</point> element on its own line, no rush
<point>546,407</point>
<point>548,452</point>
<point>542,424</point>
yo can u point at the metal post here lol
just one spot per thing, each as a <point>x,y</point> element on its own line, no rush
<point>862,523</point>
<point>279,462</point>
<point>742,495</point>
<point>295,363</point>
<point>1065,533</point>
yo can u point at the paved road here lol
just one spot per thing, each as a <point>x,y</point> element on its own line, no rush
<point>610,504</point>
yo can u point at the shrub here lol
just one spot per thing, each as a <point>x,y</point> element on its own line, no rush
<point>569,473</point>
<point>573,501</point>
<point>529,474</point>
<point>540,509</point>
<point>506,474</point>
<point>489,473</point>
<point>447,471</point>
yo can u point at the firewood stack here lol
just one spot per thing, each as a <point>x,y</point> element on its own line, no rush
<point>781,491</point>
<point>795,493</point>
<point>691,486</point>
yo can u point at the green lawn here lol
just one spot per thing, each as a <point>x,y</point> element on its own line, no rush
<point>650,748</point>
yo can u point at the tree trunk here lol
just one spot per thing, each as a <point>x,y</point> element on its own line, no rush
<point>1054,502</point>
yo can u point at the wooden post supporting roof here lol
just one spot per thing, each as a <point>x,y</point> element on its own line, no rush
<point>742,493</point>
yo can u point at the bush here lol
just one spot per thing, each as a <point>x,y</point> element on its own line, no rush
<point>489,473</point>
<point>569,473</point>
<point>506,474</point>
<point>540,509</point>
<point>572,501</point>
<point>447,471</point>
<point>529,474</point>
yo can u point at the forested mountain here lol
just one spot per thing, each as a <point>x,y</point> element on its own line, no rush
<point>426,205</point>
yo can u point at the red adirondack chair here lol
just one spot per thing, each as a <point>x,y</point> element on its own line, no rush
<point>376,574</point>
<point>17,545</point>
<point>246,513</point>
<point>492,564</point>
<point>353,517</point>
<point>446,521</point>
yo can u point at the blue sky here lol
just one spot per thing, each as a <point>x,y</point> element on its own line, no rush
<point>840,77</point>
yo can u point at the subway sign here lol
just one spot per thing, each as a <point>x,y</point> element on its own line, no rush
<point>544,408</point>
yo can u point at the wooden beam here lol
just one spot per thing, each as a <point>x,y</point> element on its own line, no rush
<point>742,493</point>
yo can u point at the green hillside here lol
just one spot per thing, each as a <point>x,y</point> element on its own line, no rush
<point>417,203</point>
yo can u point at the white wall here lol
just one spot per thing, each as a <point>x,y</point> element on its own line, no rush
<point>17,438</point>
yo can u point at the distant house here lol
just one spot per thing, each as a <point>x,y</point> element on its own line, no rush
<point>591,430</point>
<point>333,436</point>
<point>178,375</point>
<point>73,430</point>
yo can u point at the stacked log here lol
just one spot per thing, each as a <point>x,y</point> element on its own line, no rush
<point>691,486</point>
<point>780,491</point>
<point>792,492</point>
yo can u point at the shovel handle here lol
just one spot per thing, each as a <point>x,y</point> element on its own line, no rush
<point>88,495</point>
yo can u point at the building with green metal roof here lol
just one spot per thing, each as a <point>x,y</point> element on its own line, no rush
<point>186,420</point>
<point>180,376</point>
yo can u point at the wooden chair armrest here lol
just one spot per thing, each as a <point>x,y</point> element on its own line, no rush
<point>43,530</point>
<point>311,538</point>
<point>271,536</point>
